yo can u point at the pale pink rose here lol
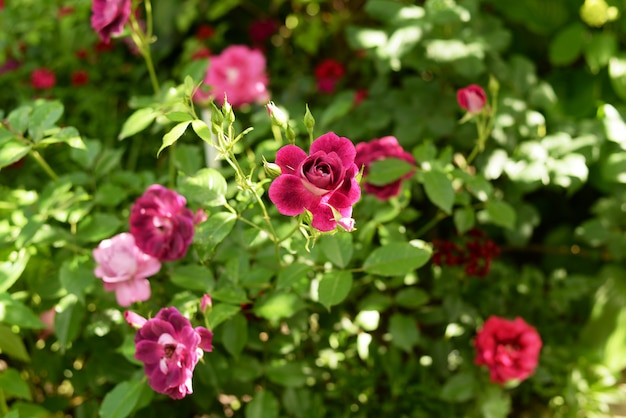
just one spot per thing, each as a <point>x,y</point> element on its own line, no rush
<point>123,268</point>
<point>239,73</point>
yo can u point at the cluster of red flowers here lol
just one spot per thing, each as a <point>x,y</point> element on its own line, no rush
<point>475,254</point>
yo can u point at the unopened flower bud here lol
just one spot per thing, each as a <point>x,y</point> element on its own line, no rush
<point>227,111</point>
<point>472,98</point>
<point>277,115</point>
<point>309,120</point>
<point>206,303</point>
<point>271,169</point>
<point>134,320</point>
<point>597,12</point>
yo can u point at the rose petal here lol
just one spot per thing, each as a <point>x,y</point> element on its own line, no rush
<point>289,195</point>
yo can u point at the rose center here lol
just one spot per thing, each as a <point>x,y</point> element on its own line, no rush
<point>169,349</point>
<point>323,170</point>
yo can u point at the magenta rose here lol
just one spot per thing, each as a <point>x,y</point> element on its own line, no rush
<point>169,348</point>
<point>123,268</point>
<point>108,17</point>
<point>238,72</point>
<point>323,182</point>
<point>472,98</point>
<point>162,224</point>
<point>381,149</point>
<point>510,349</point>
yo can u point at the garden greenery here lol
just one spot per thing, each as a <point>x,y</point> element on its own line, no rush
<point>310,208</point>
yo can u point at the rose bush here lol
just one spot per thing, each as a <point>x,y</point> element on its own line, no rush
<point>472,267</point>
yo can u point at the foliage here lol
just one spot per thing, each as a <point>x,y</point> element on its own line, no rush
<point>372,322</point>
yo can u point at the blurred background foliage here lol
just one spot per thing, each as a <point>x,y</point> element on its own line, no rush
<point>549,189</point>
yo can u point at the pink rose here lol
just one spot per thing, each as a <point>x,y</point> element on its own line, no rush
<point>261,30</point>
<point>510,349</point>
<point>238,72</point>
<point>162,224</point>
<point>123,268</point>
<point>169,348</point>
<point>43,79</point>
<point>471,98</point>
<point>380,149</point>
<point>108,17</point>
<point>323,182</point>
<point>47,317</point>
<point>328,73</point>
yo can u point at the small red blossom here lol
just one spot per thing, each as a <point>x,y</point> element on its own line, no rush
<point>328,73</point>
<point>510,349</point>
<point>65,11</point>
<point>80,78</point>
<point>261,30</point>
<point>360,95</point>
<point>204,32</point>
<point>472,98</point>
<point>202,53</point>
<point>475,255</point>
<point>43,79</point>
<point>102,46</point>
<point>82,54</point>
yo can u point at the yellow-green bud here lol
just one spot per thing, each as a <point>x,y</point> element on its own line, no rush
<point>597,12</point>
<point>271,169</point>
<point>309,120</point>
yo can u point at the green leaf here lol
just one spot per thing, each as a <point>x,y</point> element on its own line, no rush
<point>44,116</point>
<point>464,219</point>
<point>439,189</point>
<point>193,277</point>
<point>12,151</point>
<point>13,385</point>
<point>568,44</point>
<point>294,276</point>
<point>221,312</point>
<point>12,269</point>
<point>67,321</point>
<point>501,213</point>
<point>120,402</point>
<point>411,297</point>
<point>277,305</point>
<point>18,119</point>
<point>337,248</point>
<point>263,405</point>
<point>334,287</point>
<point>387,171</point>
<point>179,116</point>
<point>207,187</point>
<point>459,388</point>
<point>213,231</point>
<point>98,226</point>
<point>599,50</point>
<point>617,74</point>
<point>172,136</point>
<point>202,130</point>
<point>68,135</point>
<point>13,312</point>
<point>340,106</point>
<point>137,122</point>
<point>76,277</point>
<point>397,258</point>
<point>494,402</point>
<point>404,331</point>
<point>12,345</point>
<point>287,374</point>
<point>235,334</point>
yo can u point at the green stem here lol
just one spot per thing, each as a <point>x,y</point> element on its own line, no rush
<point>431,224</point>
<point>172,165</point>
<point>44,165</point>
<point>4,409</point>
